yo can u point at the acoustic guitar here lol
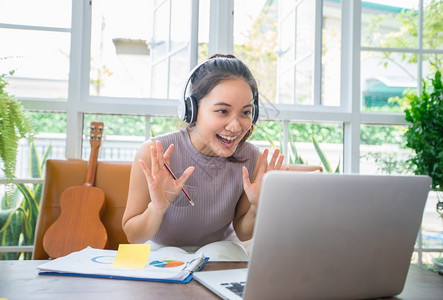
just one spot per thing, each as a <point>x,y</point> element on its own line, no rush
<point>79,225</point>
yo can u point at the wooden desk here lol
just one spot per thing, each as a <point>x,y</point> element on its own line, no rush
<point>20,280</point>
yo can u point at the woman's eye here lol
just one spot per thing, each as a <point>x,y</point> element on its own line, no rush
<point>247,112</point>
<point>222,111</point>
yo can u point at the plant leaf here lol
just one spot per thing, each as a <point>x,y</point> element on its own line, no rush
<point>322,156</point>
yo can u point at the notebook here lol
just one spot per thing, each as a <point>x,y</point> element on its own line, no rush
<point>335,236</point>
<point>160,266</point>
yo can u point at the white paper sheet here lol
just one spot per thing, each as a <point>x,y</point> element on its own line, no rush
<point>90,261</point>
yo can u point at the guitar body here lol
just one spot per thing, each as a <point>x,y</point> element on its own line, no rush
<point>79,225</point>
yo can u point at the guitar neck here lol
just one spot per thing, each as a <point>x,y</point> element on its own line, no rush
<point>92,168</point>
<point>95,141</point>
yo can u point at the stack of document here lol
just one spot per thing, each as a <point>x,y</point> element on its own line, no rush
<point>163,266</point>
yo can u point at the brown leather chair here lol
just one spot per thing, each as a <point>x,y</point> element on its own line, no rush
<point>111,177</point>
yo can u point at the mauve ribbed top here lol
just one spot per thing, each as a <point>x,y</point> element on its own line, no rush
<point>215,186</point>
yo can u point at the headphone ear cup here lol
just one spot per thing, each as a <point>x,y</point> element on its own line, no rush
<point>187,109</point>
<point>192,109</point>
<point>255,112</point>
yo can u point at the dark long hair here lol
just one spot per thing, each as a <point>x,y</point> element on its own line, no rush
<point>216,69</point>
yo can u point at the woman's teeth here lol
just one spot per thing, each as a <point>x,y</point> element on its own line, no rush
<point>226,139</point>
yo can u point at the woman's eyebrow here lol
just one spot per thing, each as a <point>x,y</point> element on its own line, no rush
<point>222,103</point>
<point>227,104</point>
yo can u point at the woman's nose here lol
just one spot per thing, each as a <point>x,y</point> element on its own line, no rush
<point>233,125</point>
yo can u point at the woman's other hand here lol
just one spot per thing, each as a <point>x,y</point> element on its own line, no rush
<point>163,188</point>
<point>252,190</point>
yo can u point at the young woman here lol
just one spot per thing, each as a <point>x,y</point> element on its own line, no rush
<point>220,171</point>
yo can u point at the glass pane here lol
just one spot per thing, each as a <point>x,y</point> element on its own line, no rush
<point>161,125</point>
<point>51,13</point>
<point>170,48</point>
<point>122,136</point>
<point>305,29</point>
<point>331,53</point>
<point>203,29</point>
<point>20,225</point>
<point>160,40</point>
<point>126,75</point>
<point>50,141</point>
<point>304,53</point>
<point>389,24</point>
<point>432,63</point>
<point>385,75</point>
<point>50,138</point>
<point>120,56</point>
<point>160,80</point>
<point>286,86</point>
<point>266,131</point>
<point>178,73</point>
<point>286,51</point>
<point>295,51</point>
<point>40,61</point>
<point>432,20</point>
<point>329,138</point>
<point>180,24</point>
<point>304,81</point>
<point>255,41</point>
<point>383,150</point>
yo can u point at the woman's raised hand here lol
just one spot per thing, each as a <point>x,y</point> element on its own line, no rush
<point>163,189</point>
<point>252,190</point>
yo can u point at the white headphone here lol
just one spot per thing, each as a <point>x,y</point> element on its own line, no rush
<point>188,105</point>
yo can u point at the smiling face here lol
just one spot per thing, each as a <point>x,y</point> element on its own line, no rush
<point>224,117</point>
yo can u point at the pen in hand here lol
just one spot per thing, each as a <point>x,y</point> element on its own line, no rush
<point>175,178</point>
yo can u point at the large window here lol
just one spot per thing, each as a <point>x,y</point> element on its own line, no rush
<point>328,69</point>
<point>121,33</point>
<point>296,56</point>
<point>35,45</point>
<point>140,48</point>
<point>35,58</point>
<point>401,43</point>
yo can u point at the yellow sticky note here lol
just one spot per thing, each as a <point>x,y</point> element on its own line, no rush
<point>132,256</point>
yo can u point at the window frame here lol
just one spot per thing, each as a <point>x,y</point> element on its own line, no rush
<point>221,25</point>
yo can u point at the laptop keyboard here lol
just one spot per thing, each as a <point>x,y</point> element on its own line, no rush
<point>237,288</point>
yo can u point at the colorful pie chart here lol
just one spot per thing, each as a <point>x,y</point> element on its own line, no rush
<point>166,263</point>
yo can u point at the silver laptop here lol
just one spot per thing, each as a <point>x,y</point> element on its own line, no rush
<point>334,236</point>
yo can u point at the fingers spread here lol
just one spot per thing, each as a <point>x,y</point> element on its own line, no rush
<point>279,162</point>
<point>145,170</point>
<point>274,158</point>
<point>154,161</point>
<point>185,176</point>
<point>168,153</point>
<point>160,153</point>
<point>264,162</point>
<point>276,161</point>
<point>246,181</point>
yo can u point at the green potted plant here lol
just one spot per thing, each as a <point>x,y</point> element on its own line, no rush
<point>15,124</point>
<point>425,134</point>
<point>19,211</point>
<point>17,216</point>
